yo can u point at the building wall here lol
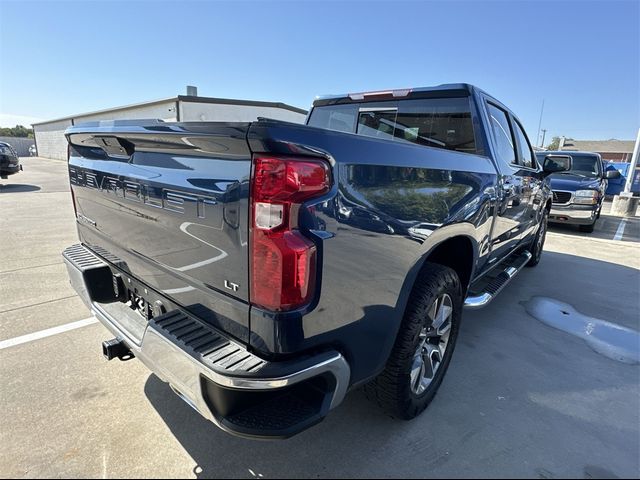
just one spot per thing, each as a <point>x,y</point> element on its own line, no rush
<point>165,111</point>
<point>50,139</point>
<point>218,112</point>
<point>51,142</point>
<point>616,157</point>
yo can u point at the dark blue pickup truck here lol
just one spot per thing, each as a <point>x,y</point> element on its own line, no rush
<point>578,193</point>
<point>264,269</point>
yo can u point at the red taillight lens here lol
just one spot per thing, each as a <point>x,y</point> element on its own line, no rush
<point>283,261</point>
<point>283,269</point>
<point>288,180</point>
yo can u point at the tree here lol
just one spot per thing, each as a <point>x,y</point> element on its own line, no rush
<point>555,143</point>
<point>17,131</point>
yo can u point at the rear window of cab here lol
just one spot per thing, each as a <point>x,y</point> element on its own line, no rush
<point>436,122</point>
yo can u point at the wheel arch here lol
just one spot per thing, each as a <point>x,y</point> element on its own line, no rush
<point>457,253</point>
<point>454,246</point>
<point>460,237</point>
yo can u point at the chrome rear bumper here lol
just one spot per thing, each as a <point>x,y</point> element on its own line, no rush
<point>216,376</point>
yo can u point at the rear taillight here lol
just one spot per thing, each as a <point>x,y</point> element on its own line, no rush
<point>283,260</point>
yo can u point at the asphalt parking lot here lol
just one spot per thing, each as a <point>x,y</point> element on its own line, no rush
<point>520,398</point>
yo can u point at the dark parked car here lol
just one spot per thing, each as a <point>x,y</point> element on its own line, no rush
<point>264,269</point>
<point>9,161</point>
<point>578,194</point>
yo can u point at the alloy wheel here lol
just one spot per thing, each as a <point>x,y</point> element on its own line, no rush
<point>432,346</point>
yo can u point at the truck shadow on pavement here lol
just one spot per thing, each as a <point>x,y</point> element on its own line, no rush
<point>18,188</point>
<point>518,392</point>
<point>219,454</point>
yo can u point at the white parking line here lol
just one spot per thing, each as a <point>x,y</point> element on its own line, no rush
<point>12,342</point>
<point>620,231</point>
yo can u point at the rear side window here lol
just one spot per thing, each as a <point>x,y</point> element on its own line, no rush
<point>440,122</point>
<point>526,158</point>
<point>502,134</point>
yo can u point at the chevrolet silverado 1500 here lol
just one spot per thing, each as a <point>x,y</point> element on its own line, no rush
<point>264,269</point>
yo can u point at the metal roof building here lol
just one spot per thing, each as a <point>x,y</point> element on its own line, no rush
<point>614,150</point>
<point>51,143</point>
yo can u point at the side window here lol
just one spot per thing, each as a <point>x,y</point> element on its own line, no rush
<point>502,134</point>
<point>526,158</point>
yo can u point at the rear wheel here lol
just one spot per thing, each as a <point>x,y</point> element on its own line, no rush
<point>587,228</point>
<point>537,245</point>
<point>424,346</point>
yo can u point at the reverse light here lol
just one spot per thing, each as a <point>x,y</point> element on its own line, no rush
<point>586,197</point>
<point>283,260</point>
<point>268,215</point>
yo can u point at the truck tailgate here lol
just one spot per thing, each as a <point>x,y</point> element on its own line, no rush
<point>168,204</point>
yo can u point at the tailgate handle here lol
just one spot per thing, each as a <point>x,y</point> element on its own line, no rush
<point>114,146</point>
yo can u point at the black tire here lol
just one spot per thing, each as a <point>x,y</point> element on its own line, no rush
<point>537,245</point>
<point>393,389</point>
<point>587,228</point>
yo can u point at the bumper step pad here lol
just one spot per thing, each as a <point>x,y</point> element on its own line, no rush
<point>254,413</point>
<point>203,343</point>
<point>93,274</point>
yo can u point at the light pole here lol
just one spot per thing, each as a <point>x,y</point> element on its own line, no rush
<point>544,132</point>
<point>540,122</point>
<point>633,166</point>
<point>625,204</point>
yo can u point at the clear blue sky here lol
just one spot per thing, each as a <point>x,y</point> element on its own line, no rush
<point>583,58</point>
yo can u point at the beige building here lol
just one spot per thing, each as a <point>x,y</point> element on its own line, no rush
<point>51,142</point>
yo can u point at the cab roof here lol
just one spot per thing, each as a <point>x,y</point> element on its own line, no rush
<point>444,90</point>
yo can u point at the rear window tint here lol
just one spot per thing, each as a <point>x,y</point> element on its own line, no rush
<point>378,123</point>
<point>439,122</point>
